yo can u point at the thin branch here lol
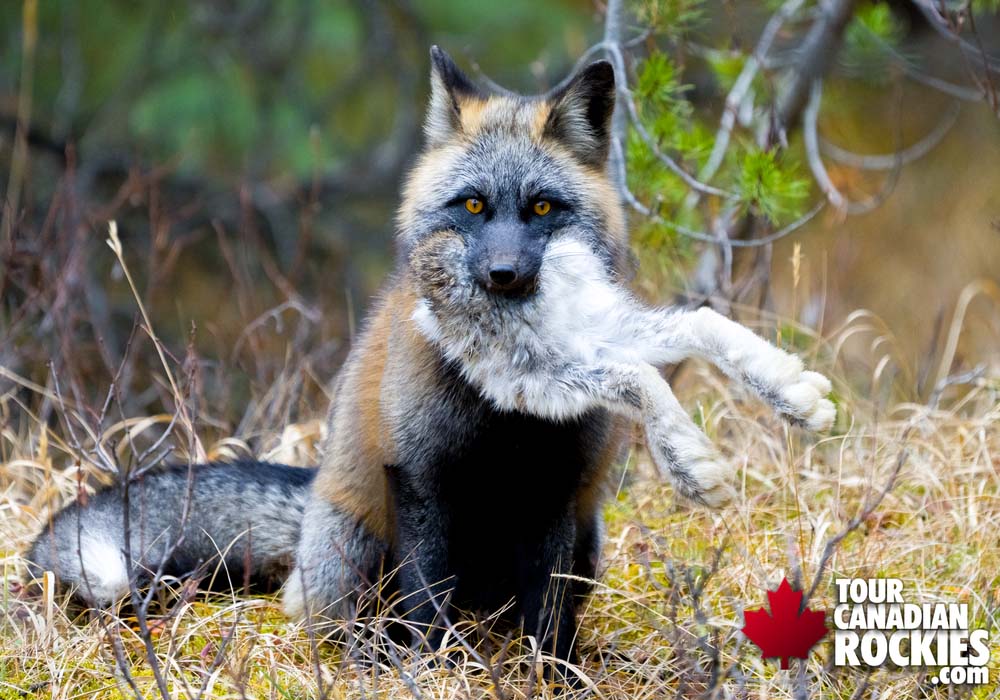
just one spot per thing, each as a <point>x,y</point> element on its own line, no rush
<point>742,85</point>
<point>114,636</point>
<point>815,55</point>
<point>869,507</point>
<point>444,619</point>
<point>991,88</point>
<point>613,31</point>
<point>812,59</point>
<point>948,88</point>
<point>889,161</point>
<point>624,94</point>
<point>723,241</point>
<point>940,24</point>
<point>809,121</point>
<point>819,171</point>
<point>612,45</point>
<point>919,75</point>
<point>115,244</point>
<point>970,377</point>
<point>626,193</point>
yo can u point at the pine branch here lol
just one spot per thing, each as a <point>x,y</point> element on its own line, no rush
<point>813,58</point>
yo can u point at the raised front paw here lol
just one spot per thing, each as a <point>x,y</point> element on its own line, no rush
<point>801,395</point>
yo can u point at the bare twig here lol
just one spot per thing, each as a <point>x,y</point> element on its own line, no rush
<point>442,615</point>
<point>919,74</point>
<point>613,31</point>
<point>735,242</point>
<point>742,85</point>
<point>114,636</point>
<point>989,86</point>
<point>871,504</point>
<point>815,55</point>
<point>942,26</point>
<point>809,119</point>
<point>115,244</point>
<point>893,162</point>
<point>890,161</point>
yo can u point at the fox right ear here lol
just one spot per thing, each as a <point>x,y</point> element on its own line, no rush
<point>449,87</point>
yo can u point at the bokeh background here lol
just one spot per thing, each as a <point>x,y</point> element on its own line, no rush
<point>252,153</point>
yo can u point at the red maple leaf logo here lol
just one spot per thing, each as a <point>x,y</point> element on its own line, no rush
<point>786,632</point>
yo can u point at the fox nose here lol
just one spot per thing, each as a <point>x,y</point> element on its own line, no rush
<point>503,275</point>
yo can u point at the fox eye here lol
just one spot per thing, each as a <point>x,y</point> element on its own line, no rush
<point>542,207</point>
<point>473,205</point>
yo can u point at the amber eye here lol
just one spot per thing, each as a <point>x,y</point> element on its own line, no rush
<point>542,207</point>
<point>473,205</point>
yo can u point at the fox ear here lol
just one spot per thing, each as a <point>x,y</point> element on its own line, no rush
<point>581,113</point>
<point>448,86</point>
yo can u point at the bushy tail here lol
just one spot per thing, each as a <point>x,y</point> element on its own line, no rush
<point>232,522</point>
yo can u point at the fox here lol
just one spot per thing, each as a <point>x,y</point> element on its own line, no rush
<point>477,419</point>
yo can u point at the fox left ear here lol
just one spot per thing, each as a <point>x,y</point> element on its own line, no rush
<point>581,113</point>
<point>449,86</point>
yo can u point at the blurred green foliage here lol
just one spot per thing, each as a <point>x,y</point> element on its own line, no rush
<point>771,184</point>
<point>283,123</point>
<point>252,153</point>
<point>288,92</point>
<point>672,19</point>
<point>869,41</point>
<point>274,89</point>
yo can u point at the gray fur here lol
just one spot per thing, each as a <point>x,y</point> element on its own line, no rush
<point>237,513</point>
<point>337,561</point>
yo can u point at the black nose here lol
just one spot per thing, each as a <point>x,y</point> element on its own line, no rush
<point>503,276</point>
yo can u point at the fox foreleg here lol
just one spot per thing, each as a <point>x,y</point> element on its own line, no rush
<point>680,449</point>
<point>777,377</point>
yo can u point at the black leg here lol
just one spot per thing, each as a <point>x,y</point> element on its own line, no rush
<point>548,602</point>
<point>422,553</point>
<point>587,550</point>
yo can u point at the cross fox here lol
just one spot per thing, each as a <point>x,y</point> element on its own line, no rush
<point>476,419</point>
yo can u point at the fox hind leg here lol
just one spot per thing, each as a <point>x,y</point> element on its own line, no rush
<point>337,561</point>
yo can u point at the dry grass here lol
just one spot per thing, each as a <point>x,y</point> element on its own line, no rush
<point>665,615</point>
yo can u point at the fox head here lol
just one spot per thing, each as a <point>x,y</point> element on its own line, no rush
<point>510,173</point>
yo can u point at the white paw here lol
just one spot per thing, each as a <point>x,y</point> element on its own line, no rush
<point>685,456</point>
<point>819,381</point>
<point>793,391</point>
<point>714,487</point>
<point>804,401</point>
<point>293,597</point>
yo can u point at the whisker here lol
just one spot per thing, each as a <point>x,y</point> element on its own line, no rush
<point>570,254</point>
<point>581,278</point>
